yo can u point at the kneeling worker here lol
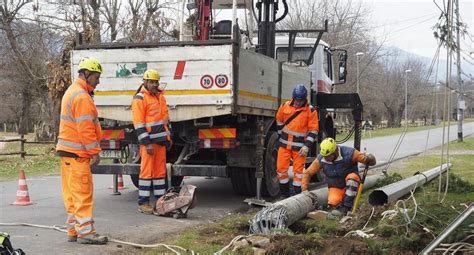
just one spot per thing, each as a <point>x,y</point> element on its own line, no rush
<point>339,164</point>
<point>150,120</point>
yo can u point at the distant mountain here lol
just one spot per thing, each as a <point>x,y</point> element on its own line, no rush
<point>466,67</point>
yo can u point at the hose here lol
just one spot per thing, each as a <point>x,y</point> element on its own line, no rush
<point>63,229</point>
<point>284,13</point>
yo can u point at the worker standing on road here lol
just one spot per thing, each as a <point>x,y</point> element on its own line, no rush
<point>297,124</point>
<point>79,148</point>
<point>150,119</point>
<point>339,164</point>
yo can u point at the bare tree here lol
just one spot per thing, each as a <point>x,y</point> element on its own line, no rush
<point>111,14</point>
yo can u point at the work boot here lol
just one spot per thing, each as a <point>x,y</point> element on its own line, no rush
<point>71,238</point>
<point>145,208</point>
<point>285,190</point>
<point>339,212</point>
<point>93,239</point>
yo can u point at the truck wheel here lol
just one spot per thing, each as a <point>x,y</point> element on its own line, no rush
<point>271,185</point>
<point>243,180</point>
<point>134,178</point>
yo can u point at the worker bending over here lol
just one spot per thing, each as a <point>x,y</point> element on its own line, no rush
<point>339,164</point>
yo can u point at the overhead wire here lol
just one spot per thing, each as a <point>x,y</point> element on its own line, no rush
<point>414,106</point>
<point>447,100</point>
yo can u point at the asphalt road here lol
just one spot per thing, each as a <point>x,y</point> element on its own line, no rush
<point>117,216</point>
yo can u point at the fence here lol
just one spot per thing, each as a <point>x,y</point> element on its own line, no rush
<point>22,141</point>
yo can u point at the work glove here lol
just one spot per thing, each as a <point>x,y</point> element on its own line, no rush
<point>169,145</point>
<point>370,160</point>
<point>149,149</point>
<point>304,151</point>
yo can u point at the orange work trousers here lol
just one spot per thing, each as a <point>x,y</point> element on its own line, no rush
<point>77,188</point>
<point>337,195</point>
<point>152,173</point>
<point>153,166</point>
<point>283,163</point>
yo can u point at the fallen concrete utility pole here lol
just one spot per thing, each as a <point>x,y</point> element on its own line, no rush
<point>399,189</point>
<point>284,213</point>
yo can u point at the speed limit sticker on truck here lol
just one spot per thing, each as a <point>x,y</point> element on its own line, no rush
<point>207,81</point>
<point>221,80</point>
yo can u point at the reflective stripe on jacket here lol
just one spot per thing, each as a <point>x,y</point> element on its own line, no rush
<point>150,117</point>
<point>79,127</point>
<point>302,130</point>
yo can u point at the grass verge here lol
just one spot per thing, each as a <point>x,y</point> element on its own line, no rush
<point>43,163</point>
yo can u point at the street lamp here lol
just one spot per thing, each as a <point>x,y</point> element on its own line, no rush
<point>406,96</point>
<point>357,56</point>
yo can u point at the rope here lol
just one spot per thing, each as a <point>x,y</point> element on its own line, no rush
<point>237,238</point>
<point>63,229</point>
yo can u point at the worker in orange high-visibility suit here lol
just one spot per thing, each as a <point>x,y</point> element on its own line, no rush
<point>150,119</point>
<point>339,164</point>
<point>297,124</point>
<point>79,147</point>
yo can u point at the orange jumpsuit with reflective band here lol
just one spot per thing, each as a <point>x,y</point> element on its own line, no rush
<point>338,195</point>
<point>150,120</point>
<point>79,134</point>
<point>302,130</point>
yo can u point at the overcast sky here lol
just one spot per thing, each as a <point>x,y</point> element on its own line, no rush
<point>408,24</point>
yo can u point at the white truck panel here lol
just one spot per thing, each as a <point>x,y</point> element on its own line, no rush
<point>117,85</point>
<point>258,81</point>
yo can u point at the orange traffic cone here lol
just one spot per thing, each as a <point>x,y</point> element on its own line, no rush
<point>119,183</point>
<point>22,196</point>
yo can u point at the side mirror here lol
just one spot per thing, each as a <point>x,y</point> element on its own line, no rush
<point>341,70</point>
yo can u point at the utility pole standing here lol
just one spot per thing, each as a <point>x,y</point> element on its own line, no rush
<point>460,103</point>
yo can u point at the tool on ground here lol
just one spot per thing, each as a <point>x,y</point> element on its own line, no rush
<point>359,189</point>
<point>6,247</point>
<point>176,204</point>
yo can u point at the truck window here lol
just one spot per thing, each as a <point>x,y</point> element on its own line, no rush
<point>299,53</point>
<point>327,62</point>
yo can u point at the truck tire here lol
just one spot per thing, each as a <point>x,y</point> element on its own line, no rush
<point>271,186</point>
<point>243,180</point>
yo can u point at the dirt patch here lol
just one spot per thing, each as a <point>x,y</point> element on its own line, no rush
<point>344,246</point>
<point>284,244</point>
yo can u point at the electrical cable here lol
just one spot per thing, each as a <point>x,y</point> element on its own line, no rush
<point>448,76</point>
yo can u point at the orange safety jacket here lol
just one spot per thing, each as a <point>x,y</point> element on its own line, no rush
<point>302,130</point>
<point>79,127</point>
<point>150,117</point>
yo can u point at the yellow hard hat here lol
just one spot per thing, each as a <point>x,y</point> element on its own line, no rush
<point>90,64</point>
<point>328,147</point>
<point>151,74</point>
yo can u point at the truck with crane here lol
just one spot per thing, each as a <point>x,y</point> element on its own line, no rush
<point>223,89</point>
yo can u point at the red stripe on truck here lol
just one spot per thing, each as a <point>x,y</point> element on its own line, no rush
<point>178,73</point>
